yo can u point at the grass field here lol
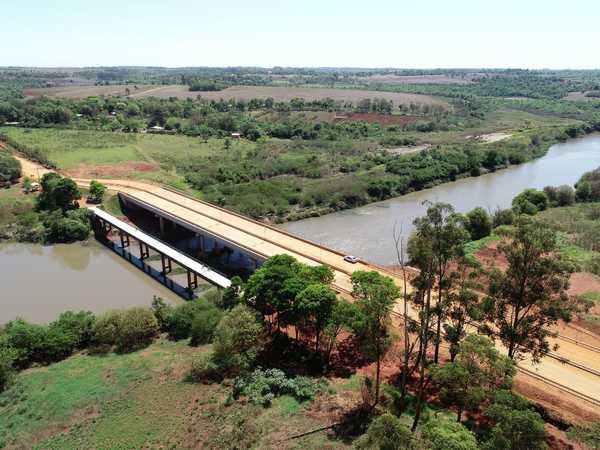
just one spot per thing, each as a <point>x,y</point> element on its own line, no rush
<point>142,400</point>
<point>99,154</point>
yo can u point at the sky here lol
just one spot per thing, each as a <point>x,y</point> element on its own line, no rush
<point>534,34</point>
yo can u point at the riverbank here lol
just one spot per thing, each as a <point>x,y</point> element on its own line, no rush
<point>368,231</point>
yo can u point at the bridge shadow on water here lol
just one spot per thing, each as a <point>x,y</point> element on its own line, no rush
<point>145,266</point>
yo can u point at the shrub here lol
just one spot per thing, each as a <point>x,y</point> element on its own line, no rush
<point>78,324</point>
<point>587,434</point>
<point>588,187</point>
<point>387,433</point>
<point>516,426</point>
<point>126,330</point>
<point>478,224</point>
<point>204,324</point>
<point>137,328</point>
<point>530,201</point>
<point>443,435</point>
<point>27,340</point>
<point>8,355</point>
<point>204,368</point>
<point>182,317</point>
<point>162,311</point>
<point>73,226</point>
<point>238,340</point>
<point>105,330</point>
<point>96,193</point>
<point>262,386</point>
<point>503,217</point>
<point>10,168</point>
<point>560,196</point>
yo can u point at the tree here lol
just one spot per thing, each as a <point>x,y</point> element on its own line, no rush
<point>442,237</point>
<point>530,202</point>
<point>478,224</point>
<point>464,304</point>
<point>69,227</point>
<point>315,304</point>
<point>58,193</point>
<point>477,370</point>
<point>516,426</point>
<point>237,341</point>
<point>587,189</point>
<point>375,295</point>
<point>343,317</point>
<point>97,190</point>
<point>441,435</point>
<point>530,296</point>
<point>10,168</point>
<point>386,432</point>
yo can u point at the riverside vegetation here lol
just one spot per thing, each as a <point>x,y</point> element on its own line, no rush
<point>300,158</point>
<point>274,341</point>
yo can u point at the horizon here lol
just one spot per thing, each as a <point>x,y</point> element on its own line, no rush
<point>537,35</point>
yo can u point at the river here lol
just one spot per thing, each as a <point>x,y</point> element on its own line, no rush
<point>37,283</point>
<point>367,231</point>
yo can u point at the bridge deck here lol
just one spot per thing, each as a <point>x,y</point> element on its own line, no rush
<point>185,261</point>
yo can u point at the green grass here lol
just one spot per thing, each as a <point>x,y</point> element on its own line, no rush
<point>69,148</point>
<point>47,398</point>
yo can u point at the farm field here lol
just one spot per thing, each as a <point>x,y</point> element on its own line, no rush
<point>237,92</point>
<point>418,79</point>
<point>87,91</point>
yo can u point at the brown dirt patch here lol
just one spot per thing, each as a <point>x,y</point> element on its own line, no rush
<point>111,171</point>
<point>582,282</point>
<point>237,92</point>
<point>555,402</point>
<point>384,120</point>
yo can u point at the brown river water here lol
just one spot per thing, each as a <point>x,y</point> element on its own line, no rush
<point>367,232</point>
<point>38,283</point>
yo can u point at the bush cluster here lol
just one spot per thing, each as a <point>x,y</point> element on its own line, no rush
<point>262,386</point>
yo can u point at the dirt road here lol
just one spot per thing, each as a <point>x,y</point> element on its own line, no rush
<point>268,241</point>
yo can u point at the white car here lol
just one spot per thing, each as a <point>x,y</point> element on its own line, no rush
<point>351,259</point>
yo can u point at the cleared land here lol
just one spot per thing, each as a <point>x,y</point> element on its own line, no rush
<point>87,91</point>
<point>237,92</point>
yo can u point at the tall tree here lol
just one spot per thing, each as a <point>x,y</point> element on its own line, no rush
<point>478,369</point>
<point>530,296</point>
<point>375,295</point>
<point>447,235</point>
<point>464,304</point>
<point>315,304</point>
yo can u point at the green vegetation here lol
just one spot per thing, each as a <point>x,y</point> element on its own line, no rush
<point>294,160</point>
<point>10,169</point>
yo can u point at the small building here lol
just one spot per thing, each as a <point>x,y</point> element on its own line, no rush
<point>14,124</point>
<point>236,135</point>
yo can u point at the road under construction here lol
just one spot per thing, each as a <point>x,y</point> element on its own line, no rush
<point>574,369</point>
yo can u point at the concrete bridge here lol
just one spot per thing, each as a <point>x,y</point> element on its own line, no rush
<point>573,371</point>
